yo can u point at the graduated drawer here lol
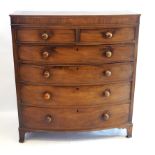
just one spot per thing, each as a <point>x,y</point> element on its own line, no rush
<point>108,35</point>
<point>78,74</point>
<point>44,35</point>
<point>75,95</point>
<point>76,54</point>
<point>74,118</point>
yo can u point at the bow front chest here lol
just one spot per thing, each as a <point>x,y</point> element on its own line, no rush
<point>74,72</point>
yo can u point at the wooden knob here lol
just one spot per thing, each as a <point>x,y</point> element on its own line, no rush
<point>45,54</point>
<point>46,74</point>
<point>108,35</point>
<point>107,93</point>
<point>108,73</point>
<point>47,96</point>
<point>48,118</point>
<point>108,54</point>
<point>44,36</point>
<point>105,116</point>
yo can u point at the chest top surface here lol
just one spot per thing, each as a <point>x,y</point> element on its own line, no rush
<point>74,18</point>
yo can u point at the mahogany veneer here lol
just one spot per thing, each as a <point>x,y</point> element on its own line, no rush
<point>74,72</point>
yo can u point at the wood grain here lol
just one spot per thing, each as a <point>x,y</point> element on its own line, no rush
<point>74,118</point>
<point>78,95</point>
<point>76,74</point>
<point>98,35</point>
<point>76,54</point>
<point>67,70</point>
<point>35,35</point>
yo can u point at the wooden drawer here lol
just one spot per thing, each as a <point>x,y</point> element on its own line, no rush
<point>82,95</point>
<point>107,35</point>
<point>74,118</point>
<point>76,74</point>
<point>43,35</point>
<point>76,54</point>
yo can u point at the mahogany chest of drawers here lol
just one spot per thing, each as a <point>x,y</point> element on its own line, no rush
<point>74,72</point>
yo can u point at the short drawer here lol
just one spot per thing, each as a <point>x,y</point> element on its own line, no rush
<point>75,95</point>
<point>76,54</point>
<point>82,74</point>
<point>107,35</point>
<point>75,118</point>
<point>43,35</point>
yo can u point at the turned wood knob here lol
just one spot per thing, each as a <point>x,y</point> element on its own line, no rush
<point>44,36</point>
<point>108,35</point>
<point>45,54</point>
<point>48,118</point>
<point>46,74</point>
<point>107,73</point>
<point>107,93</point>
<point>108,54</point>
<point>47,96</point>
<point>105,116</point>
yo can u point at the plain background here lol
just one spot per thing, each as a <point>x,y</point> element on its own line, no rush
<point>84,143</point>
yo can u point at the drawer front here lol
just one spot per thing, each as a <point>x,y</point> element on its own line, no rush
<point>41,35</point>
<point>76,74</point>
<point>107,35</point>
<point>82,95</point>
<point>76,54</point>
<point>74,118</point>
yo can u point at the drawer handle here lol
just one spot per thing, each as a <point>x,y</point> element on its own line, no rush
<point>49,118</point>
<point>108,35</point>
<point>45,54</point>
<point>107,93</point>
<point>47,96</point>
<point>44,36</point>
<point>108,54</point>
<point>105,116</point>
<point>107,73</point>
<point>46,74</point>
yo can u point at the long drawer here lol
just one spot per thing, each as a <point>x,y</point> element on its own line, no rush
<point>76,54</point>
<point>74,118</point>
<point>51,96</point>
<point>77,74</point>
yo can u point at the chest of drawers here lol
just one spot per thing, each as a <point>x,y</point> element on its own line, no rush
<point>74,72</point>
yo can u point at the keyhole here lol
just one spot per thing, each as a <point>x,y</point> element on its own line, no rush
<point>77,88</point>
<point>77,110</point>
<point>77,49</point>
<point>77,68</point>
